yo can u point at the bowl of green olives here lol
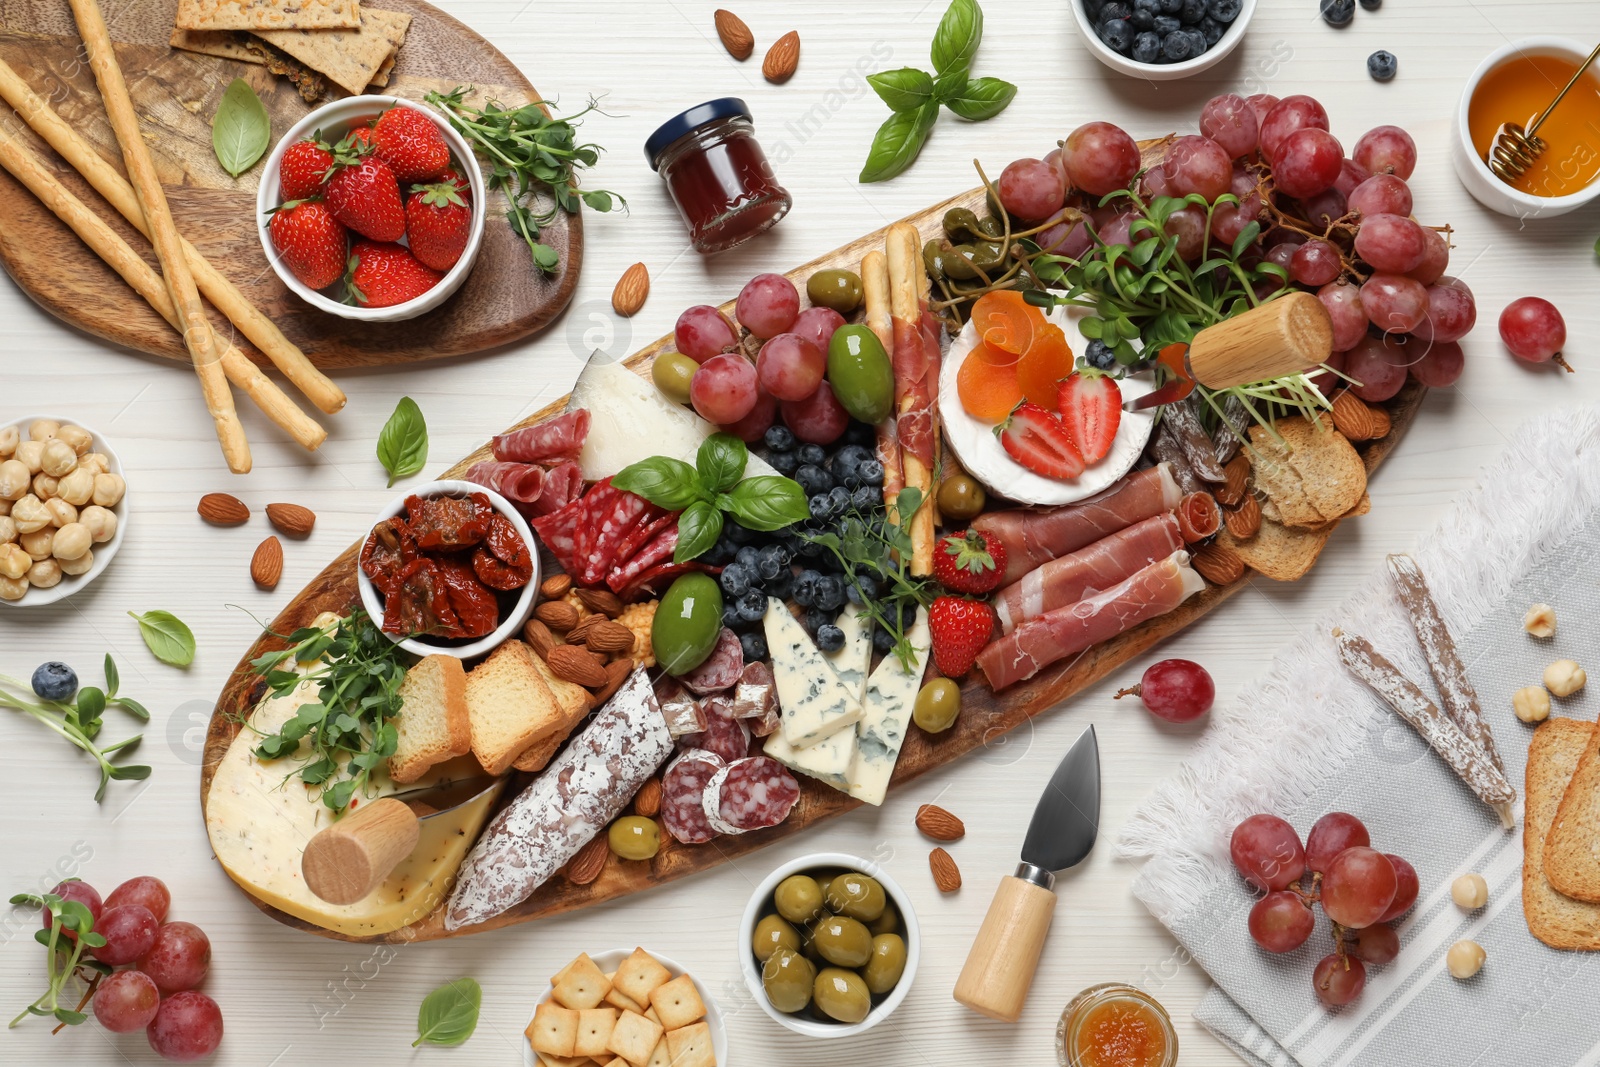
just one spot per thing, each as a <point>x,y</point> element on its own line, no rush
<point>829,945</point>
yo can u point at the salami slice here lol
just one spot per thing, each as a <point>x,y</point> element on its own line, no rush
<point>755,699</point>
<point>522,483</point>
<point>563,484</point>
<point>559,532</point>
<point>683,790</point>
<point>658,576</point>
<point>724,735</point>
<point>654,521</point>
<point>721,669</point>
<point>750,794</point>
<point>560,438</point>
<point>608,526</point>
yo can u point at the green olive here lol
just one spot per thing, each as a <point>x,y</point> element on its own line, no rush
<point>842,995</point>
<point>961,497</point>
<point>857,896</point>
<point>887,964</point>
<point>798,898</point>
<point>671,372</point>
<point>887,923</point>
<point>937,706</point>
<point>836,289</point>
<point>843,941</point>
<point>687,623</point>
<point>634,837</point>
<point>772,934</point>
<point>787,978</point>
<point>860,373</point>
<point>808,940</point>
<point>823,883</point>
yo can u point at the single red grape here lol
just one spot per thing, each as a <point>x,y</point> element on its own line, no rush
<point>179,958</point>
<point>1377,367</point>
<point>1391,243</point>
<point>126,1001</point>
<point>1315,263</point>
<point>83,893</point>
<point>819,419</point>
<point>1377,944</point>
<point>129,930</point>
<point>703,332</point>
<point>1452,311</point>
<point>1188,225</point>
<point>1338,979</point>
<point>1440,366</point>
<point>1394,303</point>
<point>816,324</point>
<point>1031,189</point>
<point>1115,231</point>
<point>1386,150</point>
<point>1281,922</point>
<point>750,428</point>
<point>1100,158</point>
<point>1534,330</point>
<point>1381,194</point>
<point>790,367</point>
<point>146,890</point>
<point>1327,381</point>
<point>1267,851</point>
<point>1285,117</point>
<point>1281,254</point>
<point>1261,103</point>
<point>1331,835</point>
<point>1343,301</point>
<point>1324,209</point>
<point>1198,165</point>
<point>1230,121</point>
<point>767,305</point>
<point>1307,162</point>
<point>188,1026</point>
<point>723,390</point>
<point>1435,258</point>
<point>1407,886</point>
<point>1070,239</point>
<point>1053,157</point>
<point>1358,887</point>
<point>1351,174</point>
<point>1229,220</point>
<point>1177,690</point>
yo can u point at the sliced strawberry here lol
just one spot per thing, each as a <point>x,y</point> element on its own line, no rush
<point>411,144</point>
<point>1038,440</point>
<point>310,241</point>
<point>960,629</point>
<point>304,166</point>
<point>382,275</point>
<point>1091,407</point>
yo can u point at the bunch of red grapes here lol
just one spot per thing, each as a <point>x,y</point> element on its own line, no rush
<point>156,993</point>
<point>1360,889</point>
<point>1338,226</point>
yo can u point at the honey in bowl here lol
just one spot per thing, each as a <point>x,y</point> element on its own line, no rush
<point>1517,91</point>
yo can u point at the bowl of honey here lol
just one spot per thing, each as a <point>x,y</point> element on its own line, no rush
<point>1514,84</point>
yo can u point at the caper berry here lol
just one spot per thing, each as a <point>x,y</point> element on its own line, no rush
<point>634,837</point>
<point>961,497</point>
<point>937,706</point>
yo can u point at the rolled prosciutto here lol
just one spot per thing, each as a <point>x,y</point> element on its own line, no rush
<point>1034,538</point>
<point>1065,581</point>
<point>1056,635</point>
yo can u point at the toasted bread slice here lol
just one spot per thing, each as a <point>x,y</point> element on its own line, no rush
<point>1310,474</point>
<point>1553,757</point>
<point>574,701</point>
<point>432,724</point>
<point>509,706</point>
<point>1572,847</point>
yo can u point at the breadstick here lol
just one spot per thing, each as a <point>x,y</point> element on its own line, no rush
<point>1456,692</point>
<point>109,246</point>
<point>103,177</point>
<point>913,400</point>
<point>1412,705</point>
<point>875,298</point>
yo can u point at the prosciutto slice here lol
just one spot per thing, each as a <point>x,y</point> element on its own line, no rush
<point>1056,635</point>
<point>1034,538</point>
<point>913,395</point>
<point>552,441</point>
<point>521,483</point>
<point>1065,581</point>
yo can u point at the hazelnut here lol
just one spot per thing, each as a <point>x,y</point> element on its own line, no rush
<point>77,487</point>
<point>31,455</point>
<point>44,574</point>
<point>10,437</point>
<point>58,458</point>
<point>96,462</point>
<point>45,485</point>
<point>102,524</point>
<point>39,544</point>
<point>60,511</point>
<point>108,489</point>
<point>8,530</point>
<point>80,565</point>
<point>1564,677</point>
<point>1531,703</point>
<point>1470,891</point>
<point>1540,620</point>
<point>71,541</point>
<point>14,561</point>
<point>14,478</point>
<point>5,506</point>
<point>13,588</point>
<point>30,514</point>
<point>43,429</point>
<point>1465,959</point>
<point>80,439</point>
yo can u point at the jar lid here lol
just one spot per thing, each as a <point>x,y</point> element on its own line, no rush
<point>678,125</point>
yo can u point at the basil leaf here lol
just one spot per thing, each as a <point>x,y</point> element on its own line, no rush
<point>240,130</point>
<point>905,89</point>
<point>898,141</point>
<point>664,481</point>
<point>768,502</point>
<point>166,636</point>
<point>982,98</point>
<point>720,461</point>
<point>698,529</point>
<point>956,40</point>
<point>450,1013</point>
<point>950,85</point>
<point>403,441</point>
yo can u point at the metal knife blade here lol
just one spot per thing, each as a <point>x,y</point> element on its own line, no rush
<point>1180,384</point>
<point>1067,818</point>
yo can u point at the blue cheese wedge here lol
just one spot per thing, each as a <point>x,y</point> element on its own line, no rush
<point>829,760</point>
<point>815,703</point>
<point>886,714</point>
<point>854,658</point>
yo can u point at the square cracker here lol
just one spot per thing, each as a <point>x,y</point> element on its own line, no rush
<point>662,1056</point>
<point>554,1029</point>
<point>549,1060</point>
<point>350,58</point>
<point>690,1046</point>
<point>268,14</point>
<point>677,1003</point>
<point>634,1038</point>
<point>640,974</point>
<point>581,984</point>
<point>594,1031</point>
<point>224,44</point>
<point>1553,756</point>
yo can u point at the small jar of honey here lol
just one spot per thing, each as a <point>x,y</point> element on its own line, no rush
<point>1115,1025</point>
<point>717,174</point>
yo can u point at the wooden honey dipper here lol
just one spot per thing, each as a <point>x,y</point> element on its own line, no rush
<point>1514,148</point>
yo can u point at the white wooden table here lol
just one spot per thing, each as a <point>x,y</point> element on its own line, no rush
<point>291,998</point>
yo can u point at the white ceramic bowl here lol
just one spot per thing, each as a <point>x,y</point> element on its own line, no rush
<point>1163,72</point>
<point>760,905</point>
<point>334,117</point>
<point>612,959</point>
<point>1475,174</point>
<point>103,552</point>
<point>372,600</point>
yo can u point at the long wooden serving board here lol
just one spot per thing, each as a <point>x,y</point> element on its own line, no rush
<point>986,716</point>
<point>176,93</point>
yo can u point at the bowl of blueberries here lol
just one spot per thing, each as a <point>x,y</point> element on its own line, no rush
<point>1162,40</point>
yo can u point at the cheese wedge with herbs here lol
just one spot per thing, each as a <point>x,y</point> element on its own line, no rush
<point>886,715</point>
<point>815,703</point>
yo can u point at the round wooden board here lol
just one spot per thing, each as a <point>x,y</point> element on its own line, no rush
<point>986,716</point>
<point>176,93</point>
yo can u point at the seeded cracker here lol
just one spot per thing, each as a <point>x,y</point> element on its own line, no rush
<point>268,14</point>
<point>350,58</point>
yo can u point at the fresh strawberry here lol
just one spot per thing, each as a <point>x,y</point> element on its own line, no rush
<point>310,241</point>
<point>960,628</point>
<point>1091,407</point>
<point>382,275</point>
<point>461,184</point>
<point>969,562</point>
<point>1039,440</point>
<point>365,197</point>
<point>411,144</point>
<point>304,166</point>
<point>438,223</point>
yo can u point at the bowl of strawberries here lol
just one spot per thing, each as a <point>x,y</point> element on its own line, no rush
<point>372,208</point>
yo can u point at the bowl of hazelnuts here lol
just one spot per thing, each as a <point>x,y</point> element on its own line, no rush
<point>63,509</point>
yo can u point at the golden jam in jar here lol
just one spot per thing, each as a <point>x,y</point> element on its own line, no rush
<point>1114,1025</point>
<point>717,174</point>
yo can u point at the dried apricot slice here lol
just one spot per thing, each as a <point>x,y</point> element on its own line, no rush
<point>1006,322</point>
<point>987,384</point>
<point>1043,366</point>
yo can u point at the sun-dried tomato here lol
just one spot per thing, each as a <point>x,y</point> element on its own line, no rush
<point>498,574</point>
<point>477,611</point>
<point>447,523</point>
<point>389,548</point>
<point>420,604</point>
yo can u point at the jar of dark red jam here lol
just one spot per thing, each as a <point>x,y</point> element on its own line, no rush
<point>717,174</point>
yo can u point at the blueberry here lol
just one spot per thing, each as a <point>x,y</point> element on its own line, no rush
<point>746,558</point>
<point>739,535</point>
<point>730,616</point>
<point>862,590</point>
<point>1192,12</point>
<point>813,479</point>
<point>813,454</point>
<point>1197,42</point>
<point>772,560</point>
<point>820,506</point>
<point>840,497</point>
<point>1146,47</point>
<point>1176,48</point>
<point>1338,12</point>
<point>1225,10</point>
<point>55,681</point>
<point>779,438</point>
<point>1099,355</point>
<point>735,580</point>
<point>1213,30</point>
<point>754,646</point>
<point>720,553</point>
<point>1165,24</point>
<point>785,463</point>
<point>1092,9</point>
<point>1116,10</point>
<point>752,606</point>
<point>872,472</point>
<point>866,498</point>
<point>830,593</point>
<point>1372,5</point>
<point>830,638</point>
<point>782,585</point>
<point>883,641</point>
<point>1117,35</point>
<point>1382,65</point>
<point>815,619</point>
<point>1143,19</point>
<point>861,433</point>
<point>846,474</point>
<point>1171,7</point>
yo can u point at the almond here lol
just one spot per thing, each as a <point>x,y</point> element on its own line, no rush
<point>266,566</point>
<point>1218,564</point>
<point>782,59</point>
<point>539,637</point>
<point>632,288</point>
<point>557,614</point>
<point>736,36</point>
<point>604,601</point>
<point>579,634</point>
<point>586,866</point>
<point>617,672</point>
<point>555,587</point>
<point>1357,419</point>
<point>606,637</point>
<point>223,509</point>
<point>1230,492</point>
<point>940,824</point>
<point>1243,522</point>
<point>573,664</point>
<point>946,875</point>
<point>647,801</point>
<point>291,519</point>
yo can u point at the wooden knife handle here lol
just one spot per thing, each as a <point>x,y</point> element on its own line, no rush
<point>345,862</point>
<point>999,969</point>
<point>1284,336</point>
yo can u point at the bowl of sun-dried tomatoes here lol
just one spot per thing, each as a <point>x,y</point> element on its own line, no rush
<point>449,568</point>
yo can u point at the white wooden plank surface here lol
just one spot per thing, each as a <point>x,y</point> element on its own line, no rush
<point>291,998</point>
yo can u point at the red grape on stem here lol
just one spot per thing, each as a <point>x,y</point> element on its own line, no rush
<point>1177,690</point>
<point>1435,259</point>
<point>1452,311</point>
<point>1100,158</point>
<point>1386,150</point>
<point>1307,162</point>
<point>1358,887</point>
<point>1281,922</point>
<point>1031,189</point>
<point>83,893</point>
<point>702,332</point>
<point>1533,329</point>
<point>819,419</point>
<point>1230,121</point>
<point>145,890</point>
<point>723,390</point>
<point>1407,886</point>
<point>1376,944</point>
<point>1338,979</point>
<point>1440,366</point>
<point>1198,165</point>
<point>817,325</point>
<point>750,428</point>
<point>1285,117</point>
<point>1343,301</point>
<point>1267,851</point>
<point>790,367</point>
<point>126,1001</point>
<point>1377,367</point>
<point>129,929</point>
<point>1331,835</point>
<point>1351,174</point>
<point>1381,194</point>
<point>179,958</point>
<point>767,305</point>
<point>1391,243</point>
<point>1394,303</point>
